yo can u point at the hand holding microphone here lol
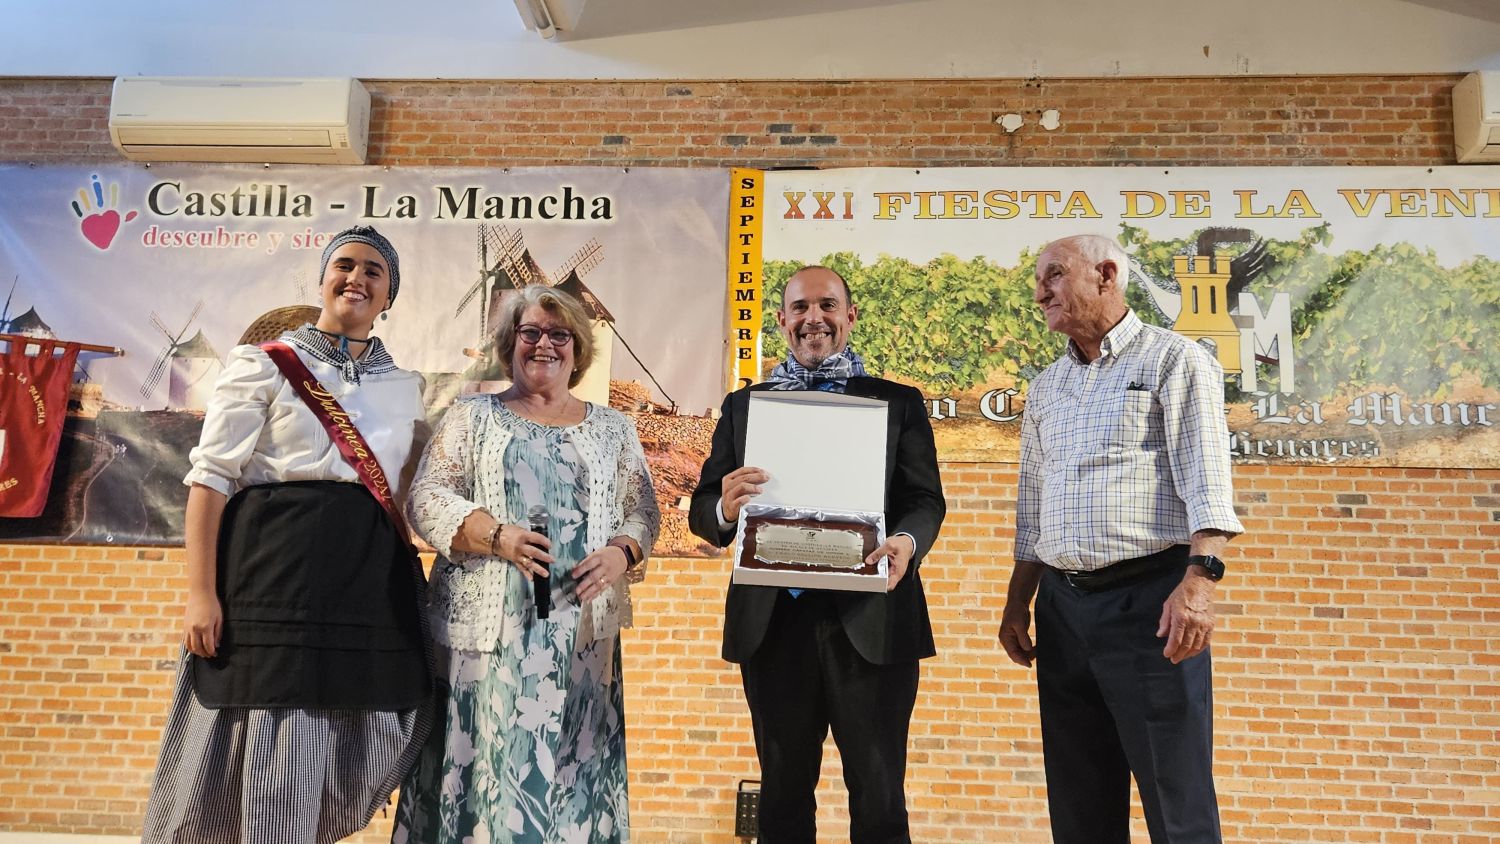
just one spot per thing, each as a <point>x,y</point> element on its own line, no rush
<point>541,584</point>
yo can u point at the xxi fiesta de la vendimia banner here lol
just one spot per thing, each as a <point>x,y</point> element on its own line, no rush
<point>175,265</point>
<point>1354,310</point>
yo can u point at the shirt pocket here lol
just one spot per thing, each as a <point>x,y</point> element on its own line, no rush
<point>1139,423</point>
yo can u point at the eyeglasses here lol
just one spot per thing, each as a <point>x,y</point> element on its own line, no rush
<point>533,335</point>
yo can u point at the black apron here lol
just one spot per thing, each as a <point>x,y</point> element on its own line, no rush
<point>320,611</point>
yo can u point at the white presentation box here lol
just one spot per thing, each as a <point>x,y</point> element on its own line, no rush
<point>823,511</point>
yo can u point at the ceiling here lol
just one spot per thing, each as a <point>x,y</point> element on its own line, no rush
<point>749,39</point>
<point>579,20</point>
<point>1488,10</point>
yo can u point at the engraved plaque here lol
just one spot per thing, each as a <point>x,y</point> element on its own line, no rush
<point>826,546</point>
<point>808,545</point>
<point>807,530</point>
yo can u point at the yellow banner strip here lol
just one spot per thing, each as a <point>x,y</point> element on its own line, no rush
<point>746,213</point>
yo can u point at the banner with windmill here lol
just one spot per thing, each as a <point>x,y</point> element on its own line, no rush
<point>175,265</point>
<point>1352,309</point>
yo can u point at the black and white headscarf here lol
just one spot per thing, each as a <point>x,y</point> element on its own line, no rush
<point>373,239</point>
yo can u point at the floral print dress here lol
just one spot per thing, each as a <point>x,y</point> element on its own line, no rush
<point>534,745</point>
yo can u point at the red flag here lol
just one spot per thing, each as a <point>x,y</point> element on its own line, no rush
<point>33,404</point>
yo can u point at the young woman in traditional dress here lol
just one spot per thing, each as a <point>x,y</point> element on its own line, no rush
<point>299,702</point>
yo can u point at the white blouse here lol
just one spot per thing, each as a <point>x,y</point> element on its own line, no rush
<point>256,430</point>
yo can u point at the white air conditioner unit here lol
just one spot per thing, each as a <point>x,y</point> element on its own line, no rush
<point>1476,118</point>
<point>285,121</point>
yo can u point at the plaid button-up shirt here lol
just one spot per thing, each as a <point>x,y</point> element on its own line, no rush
<point>1124,455</point>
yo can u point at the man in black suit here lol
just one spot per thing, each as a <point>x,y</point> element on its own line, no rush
<point>812,660</point>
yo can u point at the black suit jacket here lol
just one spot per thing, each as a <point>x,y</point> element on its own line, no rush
<point>885,627</point>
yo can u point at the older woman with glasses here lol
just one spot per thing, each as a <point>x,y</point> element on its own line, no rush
<point>532,745</point>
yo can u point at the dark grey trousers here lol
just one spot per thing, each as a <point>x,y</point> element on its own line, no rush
<point>1113,706</point>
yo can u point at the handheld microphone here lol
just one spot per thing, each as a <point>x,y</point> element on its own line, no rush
<point>541,584</point>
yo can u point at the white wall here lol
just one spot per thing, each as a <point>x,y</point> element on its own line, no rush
<point>484,39</point>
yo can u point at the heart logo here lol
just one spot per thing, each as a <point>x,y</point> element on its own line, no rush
<point>100,228</point>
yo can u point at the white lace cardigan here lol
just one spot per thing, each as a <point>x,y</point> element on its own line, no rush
<point>463,470</point>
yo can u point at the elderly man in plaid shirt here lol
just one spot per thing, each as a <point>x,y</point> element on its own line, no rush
<point>1123,512</point>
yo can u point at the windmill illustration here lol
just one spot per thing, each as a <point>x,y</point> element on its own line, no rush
<point>569,278</point>
<point>5,314</point>
<point>29,324</point>
<point>85,397</point>
<point>512,269</point>
<point>191,366</point>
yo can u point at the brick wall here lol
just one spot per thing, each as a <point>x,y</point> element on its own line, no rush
<point>1358,662</point>
<point>1312,120</point>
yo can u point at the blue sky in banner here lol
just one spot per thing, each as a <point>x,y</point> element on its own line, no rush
<point>98,250</point>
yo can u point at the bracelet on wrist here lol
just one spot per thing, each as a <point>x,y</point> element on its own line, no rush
<point>493,537</point>
<point>630,558</point>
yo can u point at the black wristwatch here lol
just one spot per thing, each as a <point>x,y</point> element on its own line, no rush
<point>1211,564</point>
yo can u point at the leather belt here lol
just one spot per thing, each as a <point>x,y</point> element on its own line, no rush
<point>1126,572</point>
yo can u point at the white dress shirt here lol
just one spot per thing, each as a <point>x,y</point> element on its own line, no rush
<point>1124,455</point>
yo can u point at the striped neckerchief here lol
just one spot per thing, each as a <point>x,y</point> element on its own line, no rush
<point>374,361</point>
